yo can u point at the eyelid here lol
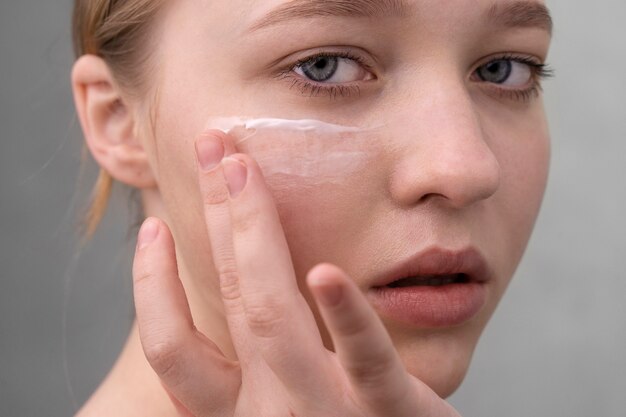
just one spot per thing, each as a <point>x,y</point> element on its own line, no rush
<point>513,56</point>
<point>361,55</point>
<point>342,54</point>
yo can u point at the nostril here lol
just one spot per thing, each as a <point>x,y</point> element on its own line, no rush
<point>430,196</point>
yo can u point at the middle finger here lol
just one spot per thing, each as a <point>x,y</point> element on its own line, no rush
<point>277,313</point>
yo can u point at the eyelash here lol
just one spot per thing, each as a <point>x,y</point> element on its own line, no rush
<point>539,71</point>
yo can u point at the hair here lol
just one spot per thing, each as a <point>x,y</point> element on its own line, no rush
<point>118,32</point>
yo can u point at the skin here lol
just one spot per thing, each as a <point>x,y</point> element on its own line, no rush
<point>459,163</point>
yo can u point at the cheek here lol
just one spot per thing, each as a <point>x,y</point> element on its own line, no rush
<point>523,151</point>
<point>324,223</point>
<point>319,220</point>
<point>323,183</point>
<point>525,178</point>
<point>174,159</point>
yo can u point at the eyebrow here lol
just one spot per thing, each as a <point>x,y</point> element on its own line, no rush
<point>524,13</point>
<point>303,9</point>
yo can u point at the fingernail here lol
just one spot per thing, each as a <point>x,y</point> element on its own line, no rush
<point>236,175</point>
<point>148,232</point>
<point>209,151</point>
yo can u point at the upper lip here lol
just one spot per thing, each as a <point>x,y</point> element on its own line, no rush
<point>438,261</point>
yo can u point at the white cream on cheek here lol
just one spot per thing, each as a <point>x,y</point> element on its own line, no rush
<point>303,125</point>
<point>317,150</point>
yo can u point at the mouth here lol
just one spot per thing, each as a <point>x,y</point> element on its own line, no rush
<point>433,289</point>
<point>430,280</point>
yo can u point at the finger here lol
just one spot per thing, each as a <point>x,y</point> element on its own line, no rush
<point>190,365</point>
<point>180,407</point>
<point>277,314</point>
<point>362,344</point>
<point>226,140</point>
<point>211,147</point>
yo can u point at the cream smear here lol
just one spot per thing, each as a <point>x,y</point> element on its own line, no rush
<point>303,125</point>
<point>309,148</point>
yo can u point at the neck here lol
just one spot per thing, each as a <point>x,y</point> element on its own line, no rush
<point>131,388</point>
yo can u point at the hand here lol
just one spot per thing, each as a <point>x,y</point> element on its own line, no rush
<point>284,370</point>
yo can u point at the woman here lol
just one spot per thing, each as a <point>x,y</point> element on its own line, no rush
<point>338,194</point>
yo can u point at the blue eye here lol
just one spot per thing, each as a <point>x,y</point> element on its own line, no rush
<point>511,72</point>
<point>515,77</point>
<point>496,72</point>
<point>332,69</point>
<point>320,69</point>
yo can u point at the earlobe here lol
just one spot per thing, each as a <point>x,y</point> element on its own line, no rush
<point>109,124</point>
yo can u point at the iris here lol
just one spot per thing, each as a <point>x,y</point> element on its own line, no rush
<point>496,72</point>
<point>321,68</point>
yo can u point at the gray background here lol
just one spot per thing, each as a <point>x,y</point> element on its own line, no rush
<point>555,347</point>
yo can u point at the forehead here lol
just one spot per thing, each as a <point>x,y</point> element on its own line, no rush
<point>229,17</point>
<point>518,12</point>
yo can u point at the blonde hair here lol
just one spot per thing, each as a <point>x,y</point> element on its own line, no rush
<point>118,32</point>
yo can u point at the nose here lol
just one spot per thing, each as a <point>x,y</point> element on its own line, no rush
<point>447,155</point>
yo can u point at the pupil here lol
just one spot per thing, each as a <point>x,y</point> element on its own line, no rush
<point>494,68</point>
<point>321,63</point>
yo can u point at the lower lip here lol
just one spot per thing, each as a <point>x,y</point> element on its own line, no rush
<point>430,306</point>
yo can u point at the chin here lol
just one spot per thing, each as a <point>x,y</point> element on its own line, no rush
<point>444,381</point>
<point>438,361</point>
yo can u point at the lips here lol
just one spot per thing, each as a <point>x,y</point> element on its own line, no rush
<point>433,288</point>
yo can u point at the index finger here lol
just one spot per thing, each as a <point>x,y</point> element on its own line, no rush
<point>362,344</point>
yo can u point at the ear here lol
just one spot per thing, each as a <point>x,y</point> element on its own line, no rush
<point>108,124</point>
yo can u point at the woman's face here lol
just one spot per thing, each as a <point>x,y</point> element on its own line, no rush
<point>451,133</point>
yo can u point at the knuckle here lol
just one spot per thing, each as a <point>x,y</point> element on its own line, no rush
<point>370,374</point>
<point>141,273</point>
<point>165,357</point>
<point>229,282</point>
<point>214,192</point>
<point>141,278</point>
<point>353,326</point>
<point>266,317</point>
